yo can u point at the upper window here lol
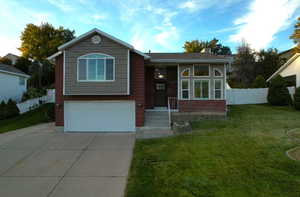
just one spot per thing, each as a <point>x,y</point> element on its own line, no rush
<point>201,70</point>
<point>217,72</point>
<point>21,81</point>
<point>96,67</point>
<point>201,89</point>
<point>185,72</point>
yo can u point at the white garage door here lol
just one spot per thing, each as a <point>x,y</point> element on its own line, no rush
<point>102,116</point>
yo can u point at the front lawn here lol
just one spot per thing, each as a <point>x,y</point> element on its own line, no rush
<point>243,156</point>
<point>25,120</point>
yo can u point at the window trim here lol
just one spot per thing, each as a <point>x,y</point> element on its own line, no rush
<point>189,70</point>
<point>218,71</point>
<point>87,74</point>
<point>181,90</point>
<point>194,81</point>
<point>222,87</point>
<point>209,70</point>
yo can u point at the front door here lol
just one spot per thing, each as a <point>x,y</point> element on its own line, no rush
<point>160,94</point>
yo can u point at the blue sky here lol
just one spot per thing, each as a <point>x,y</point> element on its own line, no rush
<point>158,25</point>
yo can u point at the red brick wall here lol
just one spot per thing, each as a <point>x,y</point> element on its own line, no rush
<point>137,89</point>
<point>59,105</point>
<point>149,73</point>
<point>202,105</point>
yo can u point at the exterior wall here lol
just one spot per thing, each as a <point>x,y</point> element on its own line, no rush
<point>293,69</point>
<point>137,91</point>
<point>10,87</point>
<point>211,78</point>
<point>149,75</point>
<point>202,105</point>
<point>107,46</point>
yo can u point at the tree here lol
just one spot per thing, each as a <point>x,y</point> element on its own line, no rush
<point>196,46</point>
<point>244,65</point>
<point>278,93</point>
<point>23,64</point>
<point>259,82</point>
<point>296,35</point>
<point>39,42</point>
<point>6,61</point>
<point>297,99</point>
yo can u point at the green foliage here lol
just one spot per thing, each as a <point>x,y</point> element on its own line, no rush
<point>50,112</point>
<point>196,46</point>
<point>278,93</point>
<point>33,93</point>
<point>297,98</point>
<point>296,35</point>
<point>8,110</point>
<point>6,61</point>
<point>39,42</point>
<point>3,111</point>
<point>259,82</point>
<point>23,64</point>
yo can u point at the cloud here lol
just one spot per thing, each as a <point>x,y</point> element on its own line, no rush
<point>196,5</point>
<point>65,6</point>
<point>10,45</point>
<point>263,21</point>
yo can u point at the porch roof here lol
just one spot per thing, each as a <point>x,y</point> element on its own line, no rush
<point>188,58</point>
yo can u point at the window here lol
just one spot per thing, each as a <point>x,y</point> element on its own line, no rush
<point>201,70</point>
<point>201,89</point>
<point>217,72</point>
<point>96,67</point>
<point>185,89</point>
<point>21,81</point>
<point>185,72</point>
<point>218,88</point>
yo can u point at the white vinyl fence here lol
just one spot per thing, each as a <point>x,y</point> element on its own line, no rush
<point>249,96</point>
<point>36,102</point>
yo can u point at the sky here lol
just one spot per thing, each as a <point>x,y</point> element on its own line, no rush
<point>158,25</point>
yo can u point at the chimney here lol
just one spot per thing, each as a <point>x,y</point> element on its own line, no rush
<point>206,51</point>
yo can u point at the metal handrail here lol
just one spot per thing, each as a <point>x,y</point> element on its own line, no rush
<point>170,107</point>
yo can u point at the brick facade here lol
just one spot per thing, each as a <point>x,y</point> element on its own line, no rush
<point>202,105</point>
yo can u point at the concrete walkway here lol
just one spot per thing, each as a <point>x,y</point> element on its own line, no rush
<point>39,162</point>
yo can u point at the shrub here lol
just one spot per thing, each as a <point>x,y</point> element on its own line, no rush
<point>259,82</point>
<point>278,93</point>
<point>11,109</point>
<point>33,93</point>
<point>297,99</point>
<point>50,112</point>
<point>2,110</point>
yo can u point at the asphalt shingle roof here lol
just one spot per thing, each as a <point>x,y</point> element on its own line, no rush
<point>12,69</point>
<point>186,56</point>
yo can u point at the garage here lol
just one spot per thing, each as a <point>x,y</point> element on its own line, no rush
<point>99,116</point>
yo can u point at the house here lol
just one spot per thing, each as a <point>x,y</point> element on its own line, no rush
<point>105,84</point>
<point>13,83</point>
<point>290,71</point>
<point>12,57</point>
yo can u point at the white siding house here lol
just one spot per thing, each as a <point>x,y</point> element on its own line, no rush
<point>290,68</point>
<point>13,83</point>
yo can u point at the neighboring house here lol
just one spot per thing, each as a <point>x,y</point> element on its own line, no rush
<point>104,84</point>
<point>12,57</point>
<point>290,70</point>
<point>286,55</point>
<point>13,83</point>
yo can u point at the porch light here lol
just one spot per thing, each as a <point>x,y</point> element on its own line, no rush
<point>161,76</point>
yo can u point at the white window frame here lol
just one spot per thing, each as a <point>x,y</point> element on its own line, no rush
<point>189,70</point>
<point>181,90</point>
<point>194,81</point>
<point>222,87</point>
<point>217,69</point>
<point>87,74</point>
<point>209,71</point>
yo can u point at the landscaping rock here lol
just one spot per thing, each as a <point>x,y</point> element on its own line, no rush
<point>182,127</point>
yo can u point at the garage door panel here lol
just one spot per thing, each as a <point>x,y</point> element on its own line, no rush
<point>99,116</point>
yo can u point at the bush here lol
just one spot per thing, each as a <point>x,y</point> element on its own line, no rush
<point>33,93</point>
<point>259,82</point>
<point>50,112</point>
<point>297,99</point>
<point>278,93</point>
<point>2,110</point>
<point>11,109</point>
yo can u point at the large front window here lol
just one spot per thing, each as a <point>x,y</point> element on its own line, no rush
<point>96,67</point>
<point>201,89</point>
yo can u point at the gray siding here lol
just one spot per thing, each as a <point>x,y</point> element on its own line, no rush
<point>107,46</point>
<point>211,79</point>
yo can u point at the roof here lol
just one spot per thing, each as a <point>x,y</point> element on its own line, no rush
<point>12,70</point>
<point>11,55</point>
<point>188,57</point>
<point>291,60</point>
<point>95,30</point>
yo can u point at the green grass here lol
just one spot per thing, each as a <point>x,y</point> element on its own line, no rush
<point>25,120</point>
<point>243,156</point>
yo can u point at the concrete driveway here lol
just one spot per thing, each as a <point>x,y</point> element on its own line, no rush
<point>38,161</point>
